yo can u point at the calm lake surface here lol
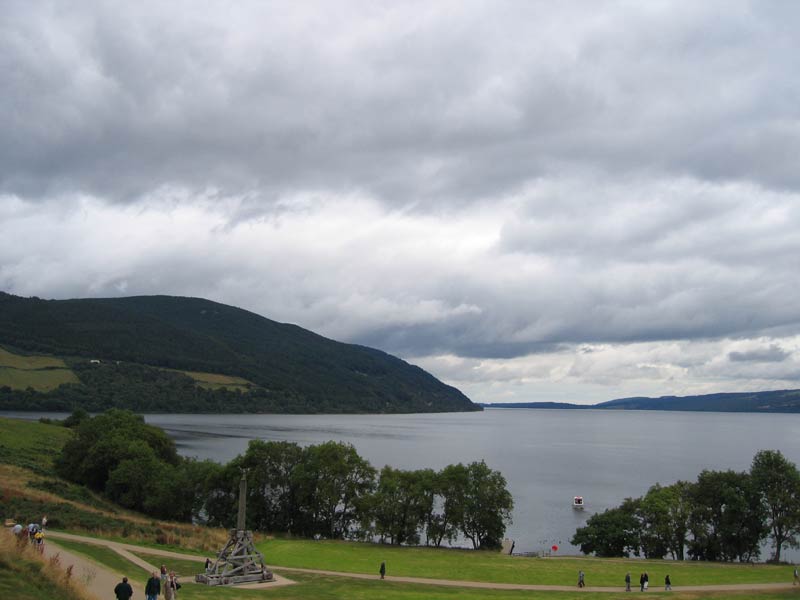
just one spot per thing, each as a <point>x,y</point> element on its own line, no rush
<point>547,456</point>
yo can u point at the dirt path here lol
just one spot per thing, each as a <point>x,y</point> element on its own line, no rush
<point>98,579</point>
<point>120,547</point>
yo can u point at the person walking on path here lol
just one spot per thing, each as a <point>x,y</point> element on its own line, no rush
<point>628,581</point>
<point>153,587</point>
<point>641,582</point>
<point>163,575</point>
<point>646,581</point>
<point>172,587</point>
<point>667,584</point>
<point>796,576</point>
<point>382,570</point>
<point>580,580</point>
<point>123,591</point>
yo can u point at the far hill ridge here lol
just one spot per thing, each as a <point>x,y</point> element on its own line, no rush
<point>777,401</point>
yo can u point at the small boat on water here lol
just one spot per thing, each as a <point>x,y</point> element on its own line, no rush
<point>577,503</point>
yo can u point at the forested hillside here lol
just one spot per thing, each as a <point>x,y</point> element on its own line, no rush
<point>289,369</point>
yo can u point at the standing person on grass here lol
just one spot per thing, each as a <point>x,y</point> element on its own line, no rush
<point>383,569</point>
<point>123,591</point>
<point>581,583</point>
<point>153,587</point>
<point>628,581</point>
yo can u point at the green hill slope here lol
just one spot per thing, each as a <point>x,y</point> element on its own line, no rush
<point>138,339</point>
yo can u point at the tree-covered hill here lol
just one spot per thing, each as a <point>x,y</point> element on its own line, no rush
<point>769,401</point>
<point>291,369</point>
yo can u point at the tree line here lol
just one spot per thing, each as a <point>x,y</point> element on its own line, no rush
<point>325,490</point>
<point>723,516</point>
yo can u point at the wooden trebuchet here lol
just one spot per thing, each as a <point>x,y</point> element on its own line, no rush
<point>238,561</point>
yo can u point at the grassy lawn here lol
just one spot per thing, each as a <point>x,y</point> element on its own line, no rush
<point>183,568</point>
<point>494,567</point>
<point>320,587</point>
<point>104,556</point>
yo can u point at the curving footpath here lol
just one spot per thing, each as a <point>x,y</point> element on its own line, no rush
<point>125,550</point>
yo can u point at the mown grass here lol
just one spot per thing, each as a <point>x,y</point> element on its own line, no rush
<point>322,587</point>
<point>493,567</point>
<point>101,554</point>
<point>183,568</point>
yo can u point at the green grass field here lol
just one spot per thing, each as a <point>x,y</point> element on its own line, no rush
<point>322,587</point>
<point>469,565</point>
<point>41,380</point>
<point>184,568</point>
<point>21,361</point>
<point>42,373</point>
<point>31,445</point>
<point>215,381</point>
<point>102,555</point>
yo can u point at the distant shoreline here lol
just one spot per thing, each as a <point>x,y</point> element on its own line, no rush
<point>776,401</point>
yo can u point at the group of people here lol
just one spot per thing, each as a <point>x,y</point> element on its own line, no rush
<point>644,581</point>
<point>159,583</point>
<point>33,532</point>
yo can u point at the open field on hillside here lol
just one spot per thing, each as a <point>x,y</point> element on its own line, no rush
<point>31,445</point>
<point>216,381</point>
<point>21,361</point>
<point>469,565</point>
<point>41,380</point>
<point>42,373</point>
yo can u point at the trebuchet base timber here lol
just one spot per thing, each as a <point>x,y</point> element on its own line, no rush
<point>238,561</point>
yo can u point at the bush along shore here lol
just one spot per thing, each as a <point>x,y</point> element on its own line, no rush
<point>723,516</point>
<point>324,491</point>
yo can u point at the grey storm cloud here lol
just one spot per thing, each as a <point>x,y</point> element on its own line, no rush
<point>414,103</point>
<point>773,353</point>
<point>577,185</point>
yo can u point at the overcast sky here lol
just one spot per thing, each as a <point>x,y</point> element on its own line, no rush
<point>568,201</point>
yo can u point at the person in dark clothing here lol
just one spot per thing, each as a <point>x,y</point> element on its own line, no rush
<point>667,584</point>
<point>153,586</point>
<point>383,569</point>
<point>208,564</point>
<point>123,591</point>
<point>627,582</point>
<point>641,582</point>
